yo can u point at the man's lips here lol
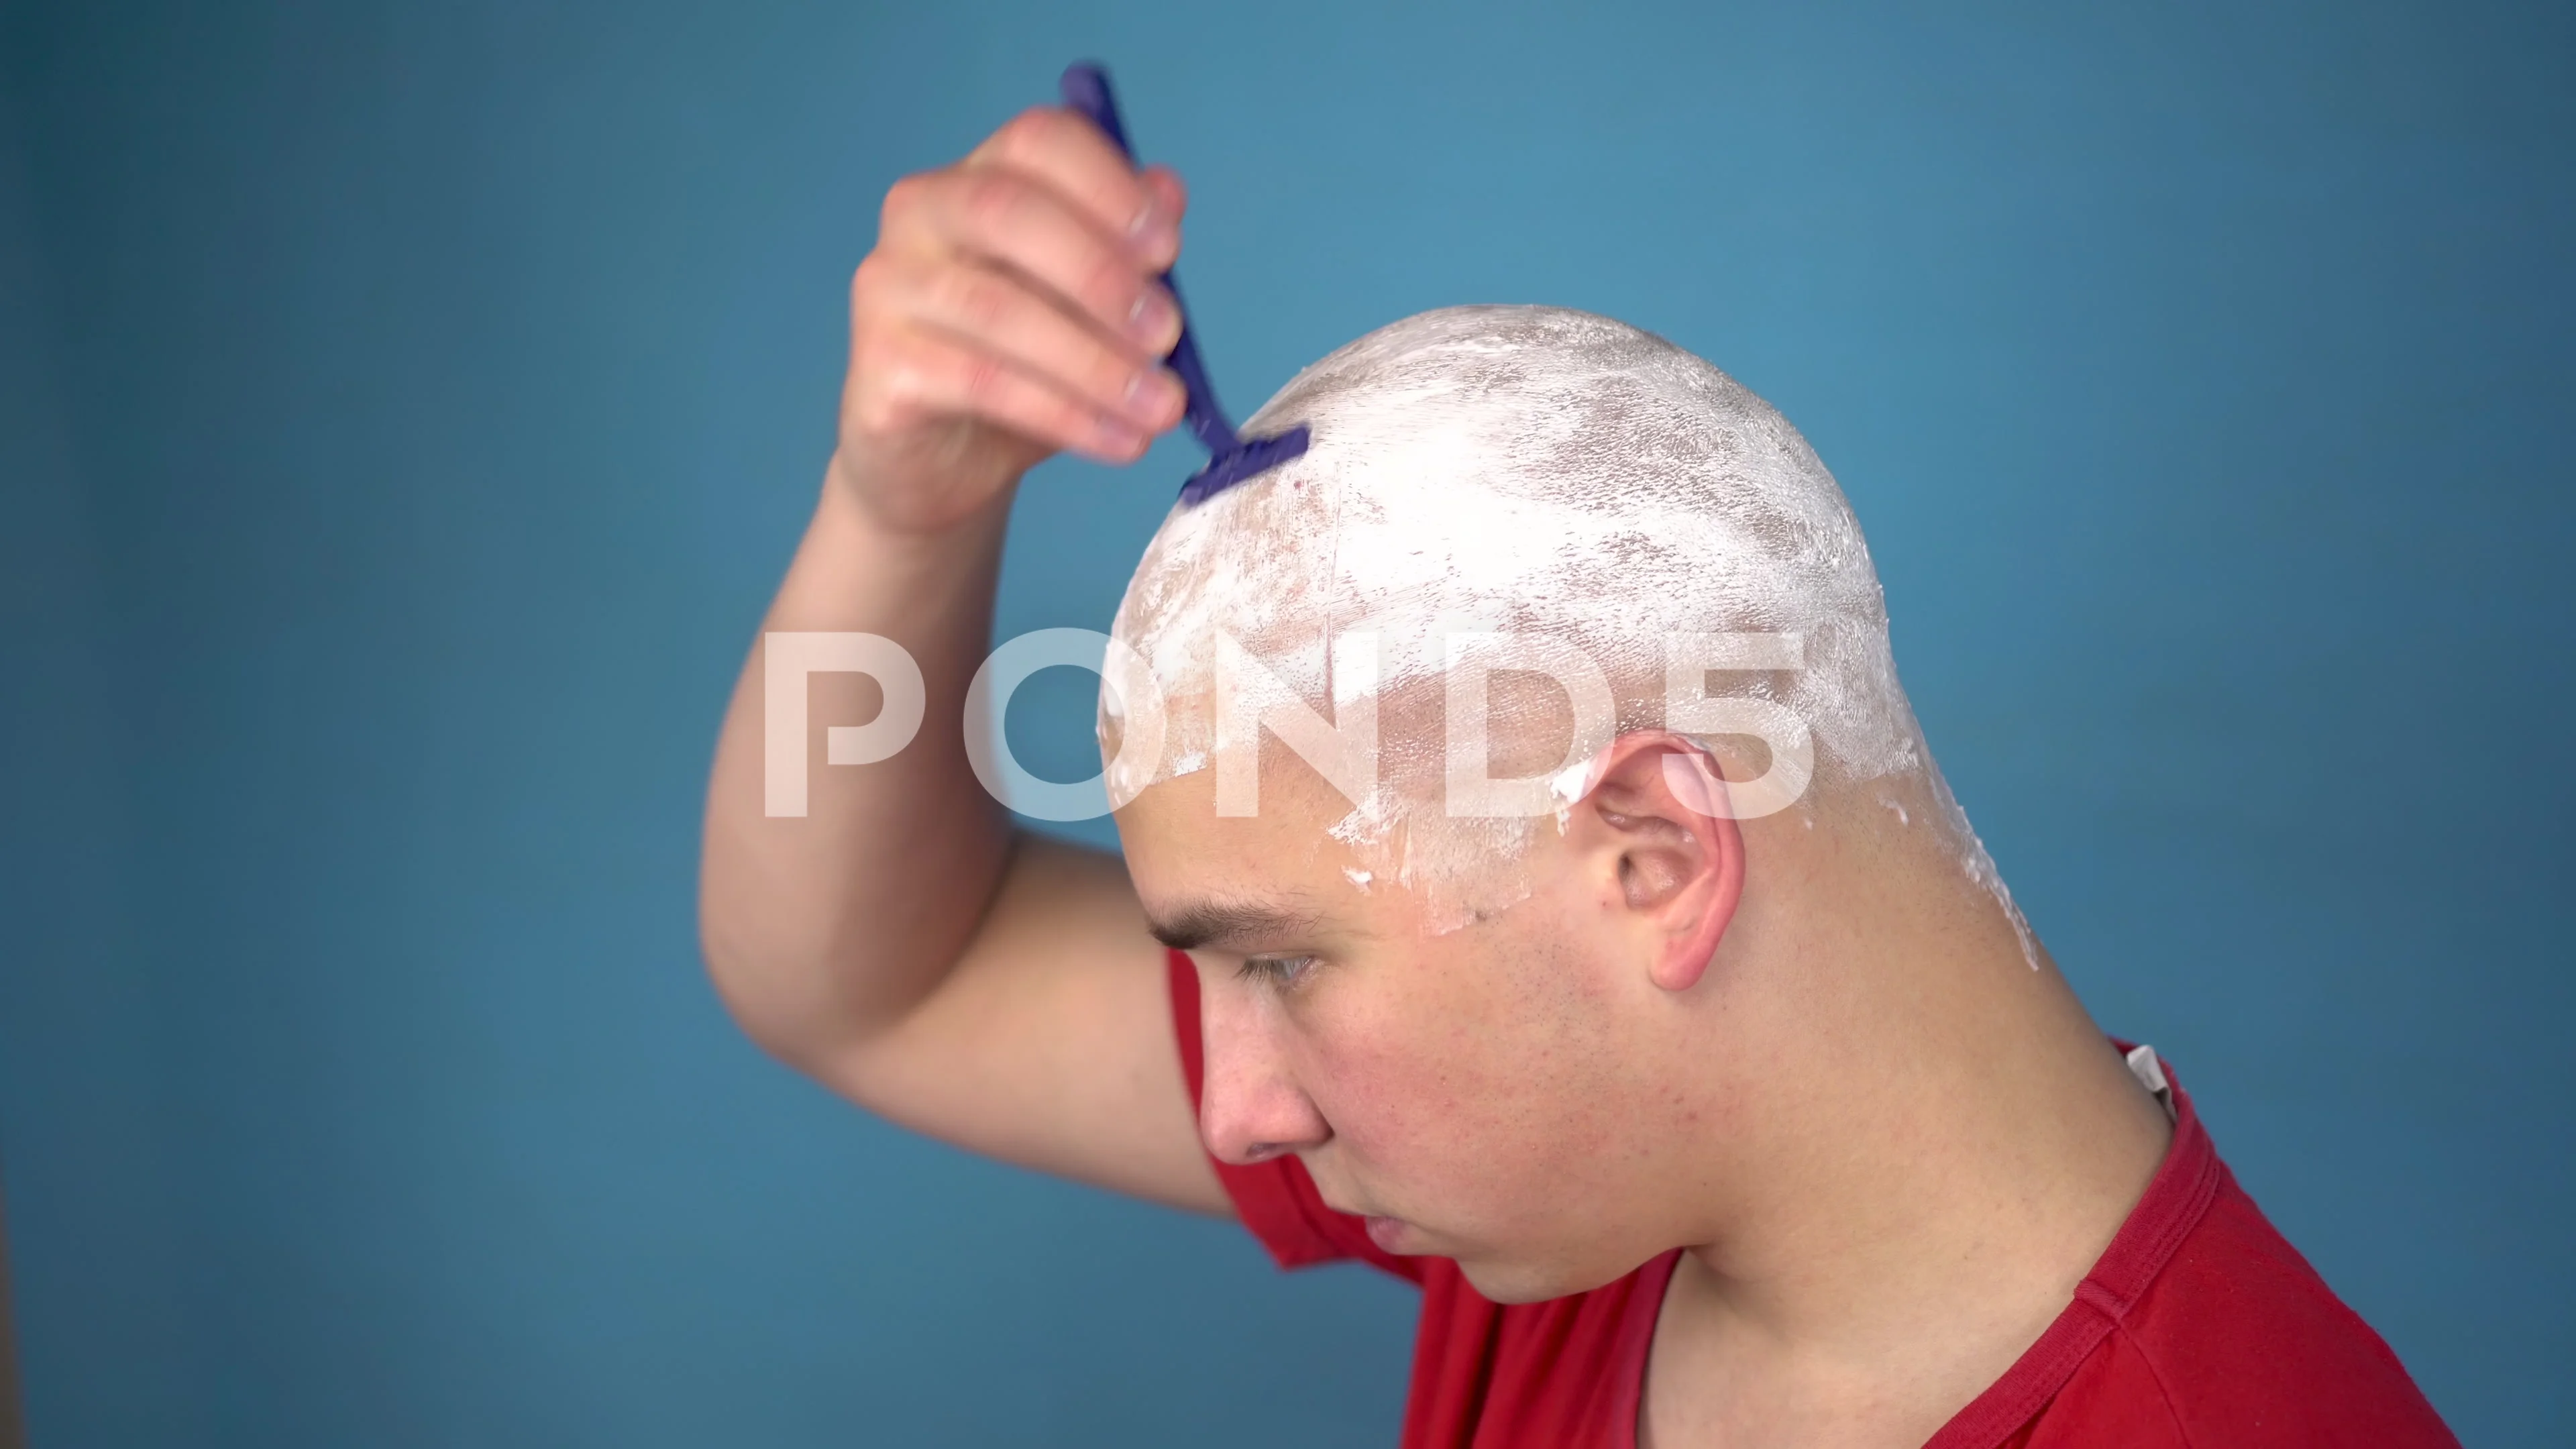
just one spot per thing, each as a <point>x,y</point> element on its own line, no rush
<point>1389,1233</point>
<point>1392,1235</point>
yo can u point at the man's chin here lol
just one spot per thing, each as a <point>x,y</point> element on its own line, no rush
<point>1505,1280</point>
<point>1499,1277</point>
<point>1529,1277</point>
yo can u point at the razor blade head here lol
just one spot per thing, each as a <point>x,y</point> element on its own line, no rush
<point>1256,455</point>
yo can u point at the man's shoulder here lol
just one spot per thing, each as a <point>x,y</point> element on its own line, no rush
<point>2246,1344</point>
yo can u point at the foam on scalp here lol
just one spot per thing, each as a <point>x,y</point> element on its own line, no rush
<point>1532,471</point>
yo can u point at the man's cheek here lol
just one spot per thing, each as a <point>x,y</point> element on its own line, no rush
<point>1392,1108</point>
<point>1450,1149</point>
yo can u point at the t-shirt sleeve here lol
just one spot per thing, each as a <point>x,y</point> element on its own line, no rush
<point>1276,1199</point>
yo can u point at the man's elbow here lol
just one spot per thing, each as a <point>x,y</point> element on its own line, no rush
<point>779,1014</point>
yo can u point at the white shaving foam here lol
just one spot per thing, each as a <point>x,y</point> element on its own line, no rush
<point>1539,471</point>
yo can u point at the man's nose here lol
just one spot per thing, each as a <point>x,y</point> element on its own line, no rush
<point>1250,1106</point>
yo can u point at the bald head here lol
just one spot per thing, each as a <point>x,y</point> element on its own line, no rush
<point>1519,532</point>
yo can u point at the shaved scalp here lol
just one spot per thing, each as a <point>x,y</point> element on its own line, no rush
<point>1586,488</point>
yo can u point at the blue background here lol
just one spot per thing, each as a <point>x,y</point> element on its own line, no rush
<point>406,409</point>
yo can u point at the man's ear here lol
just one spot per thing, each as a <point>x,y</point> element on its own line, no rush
<point>1657,822</point>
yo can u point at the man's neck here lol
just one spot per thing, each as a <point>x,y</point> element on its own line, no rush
<point>1944,1147</point>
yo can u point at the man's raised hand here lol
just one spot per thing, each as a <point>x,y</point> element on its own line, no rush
<point>1010,310</point>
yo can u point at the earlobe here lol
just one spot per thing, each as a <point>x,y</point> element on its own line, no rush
<point>1679,853</point>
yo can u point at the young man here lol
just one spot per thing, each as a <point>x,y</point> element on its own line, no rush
<point>1534,879</point>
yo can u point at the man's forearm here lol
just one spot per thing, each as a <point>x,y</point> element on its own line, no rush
<point>820,930</point>
<point>1010,310</point>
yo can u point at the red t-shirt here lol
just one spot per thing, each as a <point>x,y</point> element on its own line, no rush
<point>2200,1326</point>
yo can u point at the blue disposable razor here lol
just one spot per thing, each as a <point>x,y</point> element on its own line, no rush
<point>1231,457</point>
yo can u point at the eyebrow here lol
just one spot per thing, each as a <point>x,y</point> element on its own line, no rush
<point>1223,924</point>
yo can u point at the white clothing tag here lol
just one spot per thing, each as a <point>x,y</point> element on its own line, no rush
<point>2151,1075</point>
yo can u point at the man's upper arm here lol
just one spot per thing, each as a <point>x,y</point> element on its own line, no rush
<point>1050,1043</point>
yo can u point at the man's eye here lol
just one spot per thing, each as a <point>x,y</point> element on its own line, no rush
<point>1283,972</point>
